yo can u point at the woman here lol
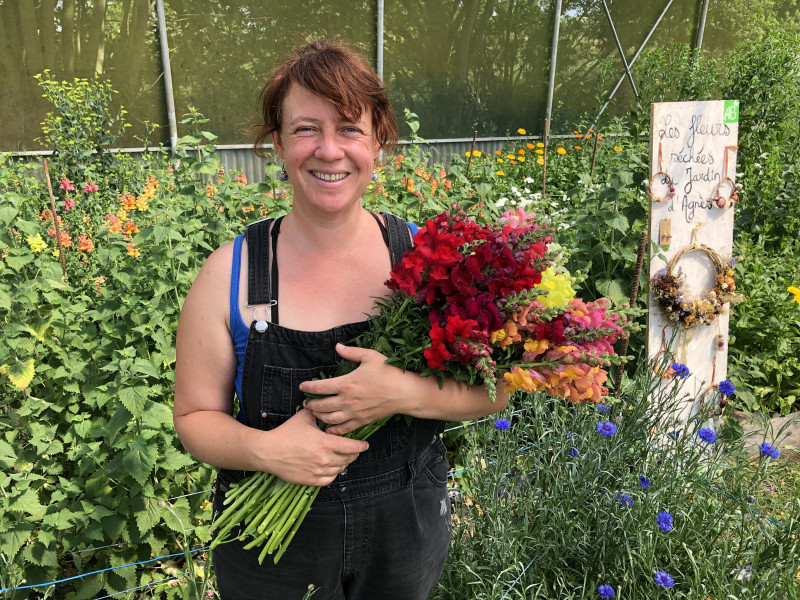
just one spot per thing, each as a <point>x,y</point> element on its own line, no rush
<point>272,310</point>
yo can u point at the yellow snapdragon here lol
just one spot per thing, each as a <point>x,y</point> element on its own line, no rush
<point>558,286</point>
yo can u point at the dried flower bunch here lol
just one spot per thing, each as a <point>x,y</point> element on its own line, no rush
<point>671,291</point>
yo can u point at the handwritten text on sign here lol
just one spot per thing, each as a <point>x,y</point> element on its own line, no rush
<point>695,146</point>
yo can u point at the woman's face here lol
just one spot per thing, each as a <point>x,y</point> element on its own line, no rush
<point>329,158</point>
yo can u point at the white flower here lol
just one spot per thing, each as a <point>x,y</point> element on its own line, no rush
<point>529,180</point>
<point>513,189</point>
<point>501,202</point>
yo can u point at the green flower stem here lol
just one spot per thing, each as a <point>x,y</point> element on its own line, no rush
<point>296,526</point>
<point>270,509</point>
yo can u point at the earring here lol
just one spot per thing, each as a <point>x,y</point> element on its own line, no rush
<point>282,174</point>
<point>374,176</point>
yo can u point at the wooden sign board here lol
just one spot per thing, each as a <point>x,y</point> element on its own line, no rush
<point>693,174</point>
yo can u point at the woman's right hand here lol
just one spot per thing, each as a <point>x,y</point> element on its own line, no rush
<point>298,451</point>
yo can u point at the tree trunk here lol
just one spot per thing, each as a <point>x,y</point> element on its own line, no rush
<point>29,37</point>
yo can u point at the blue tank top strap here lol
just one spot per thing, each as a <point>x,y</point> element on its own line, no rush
<point>238,329</point>
<point>235,269</point>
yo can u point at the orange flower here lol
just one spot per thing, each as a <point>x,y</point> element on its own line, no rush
<point>128,201</point>
<point>521,151</point>
<point>131,227</point>
<point>114,224</point>
<point>530,146</point>
<point>85,244</point>
<point>133,250</point>
<point>577,147</point>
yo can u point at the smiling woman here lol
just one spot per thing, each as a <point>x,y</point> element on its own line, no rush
<point>275,309</point>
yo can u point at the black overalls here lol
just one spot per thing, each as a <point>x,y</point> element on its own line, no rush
<point>381,530</point>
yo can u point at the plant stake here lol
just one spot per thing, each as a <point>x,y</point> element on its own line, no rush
<point>55,220</point>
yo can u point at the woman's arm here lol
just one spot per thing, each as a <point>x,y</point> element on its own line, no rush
<point>205,370</point>
<point>376,390</point>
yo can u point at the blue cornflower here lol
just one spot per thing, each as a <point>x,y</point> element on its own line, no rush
<point>769,450</point>
<point>681,370</point>
<point>607,428</point>
<point>664,520</point>
<point>708,435</point>
<point>674,434</point>
<point>606,591</point>
<point>644,481</point>
<point>664,579</point>
<point>603,408</point>
<point>726,387</point>
<point>573,452</point>
<point>502,424</point>
<point>624,499</point>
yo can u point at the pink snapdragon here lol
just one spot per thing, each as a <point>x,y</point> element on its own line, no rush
<point>90,187</point>
<point>66,184</point>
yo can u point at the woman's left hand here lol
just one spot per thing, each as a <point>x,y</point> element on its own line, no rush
<point>372,391</point>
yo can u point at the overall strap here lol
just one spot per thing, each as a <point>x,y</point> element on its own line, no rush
<point>399,236</point>
<point>258,260</point>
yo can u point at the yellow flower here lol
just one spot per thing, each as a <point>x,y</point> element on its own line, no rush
<point>133,250</point>
<point>475,153</point>
<point>521,159</point>
<point>500,173</point>
<point>36,243</point>
<point>540,160</point>
<point>796,292</point>
<point>500,160</point>
<point>558,286</point>
<point>539,151</point>
<point>521,131</point>
<point>617,148</point>
<point>561,150</point>
<point>539,145</point>
<point>510,156</point>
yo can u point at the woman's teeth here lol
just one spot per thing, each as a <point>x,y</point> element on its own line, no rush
<point>329,176</point>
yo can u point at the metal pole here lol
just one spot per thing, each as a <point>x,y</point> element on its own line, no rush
<point>702,27</point>
<point>633,60</point>
<point>379,58</point>
<point>621,51</point>
<point>162,36</point>
<point>550,85</point>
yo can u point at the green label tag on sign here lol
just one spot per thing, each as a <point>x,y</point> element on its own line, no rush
<point>731,112</point>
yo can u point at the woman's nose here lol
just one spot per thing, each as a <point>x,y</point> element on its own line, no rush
<point>329,147</point>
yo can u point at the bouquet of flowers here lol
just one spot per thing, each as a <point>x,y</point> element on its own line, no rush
<point>489,305</point>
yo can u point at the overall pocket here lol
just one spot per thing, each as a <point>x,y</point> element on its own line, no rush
<point>281,397</point>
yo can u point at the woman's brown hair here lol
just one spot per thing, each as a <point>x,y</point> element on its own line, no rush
<point>337,73</point>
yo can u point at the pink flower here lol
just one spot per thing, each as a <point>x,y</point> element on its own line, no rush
<point>69,204</point>
<point>89,188</point>
<point>66,184</point>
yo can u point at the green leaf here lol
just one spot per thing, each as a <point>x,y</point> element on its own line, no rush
<point>138,460</point>
<point>178,515</point>
<point>19,372</point>
<point>133,398</point>
<point>17,262</point>
<point>618,222</point>
<point>7,214</point>
<point>11,541</point>
<point>7,455</point>
<point>148,513</point>
<point>611,288</point>
<point>27,502</point>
